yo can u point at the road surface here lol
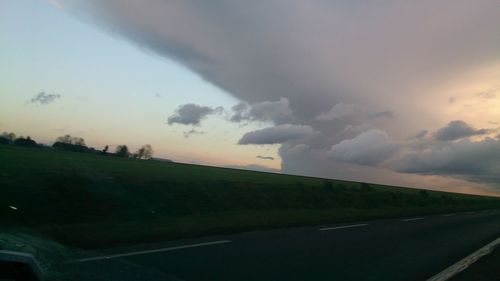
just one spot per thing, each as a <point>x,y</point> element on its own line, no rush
<point>413,248</point>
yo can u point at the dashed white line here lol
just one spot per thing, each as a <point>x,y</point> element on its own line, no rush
<point>342,227</point>
<point>150,251</point>
<point>412,219</point>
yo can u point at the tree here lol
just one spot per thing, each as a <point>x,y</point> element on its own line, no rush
<point>145,152</point>
<point>79,141</point>
<point>65,139</point>
<point>7,138</point>
<point>122,151</point>
<point>70,143</point>
<point>68,139</point>
<point>25,141</point>
<point>105,150</point>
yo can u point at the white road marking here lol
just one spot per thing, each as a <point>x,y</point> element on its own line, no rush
<point>413,219</point>
<point>341,227</point>
<point>464,263</point>
<point>13,207</point>
<point>150,251</point>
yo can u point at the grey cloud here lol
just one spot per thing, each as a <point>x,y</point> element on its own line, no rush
<point>420,135</point>
<point>191,114</point>
<point>277,111</point>
<point>476,161</point>
<point>265,157</point>
<point>44,98</point>
<point>302,159</point>
<point>368,148</point>
<point>458,129</point>
<point>381,114</point>
<point>192,132</point>
<point>239,112</point>
<point>338,111</point>
<point>277,134</point>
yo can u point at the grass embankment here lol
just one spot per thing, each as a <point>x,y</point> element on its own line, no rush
<point>98,201</point>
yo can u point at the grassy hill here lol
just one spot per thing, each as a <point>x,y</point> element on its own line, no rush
<point>99,201</point>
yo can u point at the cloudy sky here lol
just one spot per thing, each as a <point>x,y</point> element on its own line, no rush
<point>394,92</point>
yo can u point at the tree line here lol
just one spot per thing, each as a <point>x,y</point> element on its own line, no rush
<point>77,144</point>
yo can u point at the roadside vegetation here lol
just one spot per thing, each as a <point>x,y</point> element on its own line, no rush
<point>94,201</point>
<point>77,144</point>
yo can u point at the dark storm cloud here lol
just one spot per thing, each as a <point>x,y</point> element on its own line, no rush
<point>277,134</point>
<point>247,48</point>
<point>44,98</point>
<point>458,129</point>
<point>191,114</point>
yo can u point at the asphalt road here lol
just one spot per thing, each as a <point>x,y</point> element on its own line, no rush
<point>397,249</point>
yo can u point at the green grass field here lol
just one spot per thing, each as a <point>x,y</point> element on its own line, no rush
<point>96,201</point>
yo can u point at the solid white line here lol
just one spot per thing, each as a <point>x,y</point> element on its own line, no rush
<point>341,227</point>
<point>150,251</point>
<point>413,219</point>
<point>464,263</point>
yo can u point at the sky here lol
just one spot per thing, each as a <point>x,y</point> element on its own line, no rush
<point>393,92</point>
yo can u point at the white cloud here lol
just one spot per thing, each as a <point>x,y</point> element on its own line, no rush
<point>368,148</point>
